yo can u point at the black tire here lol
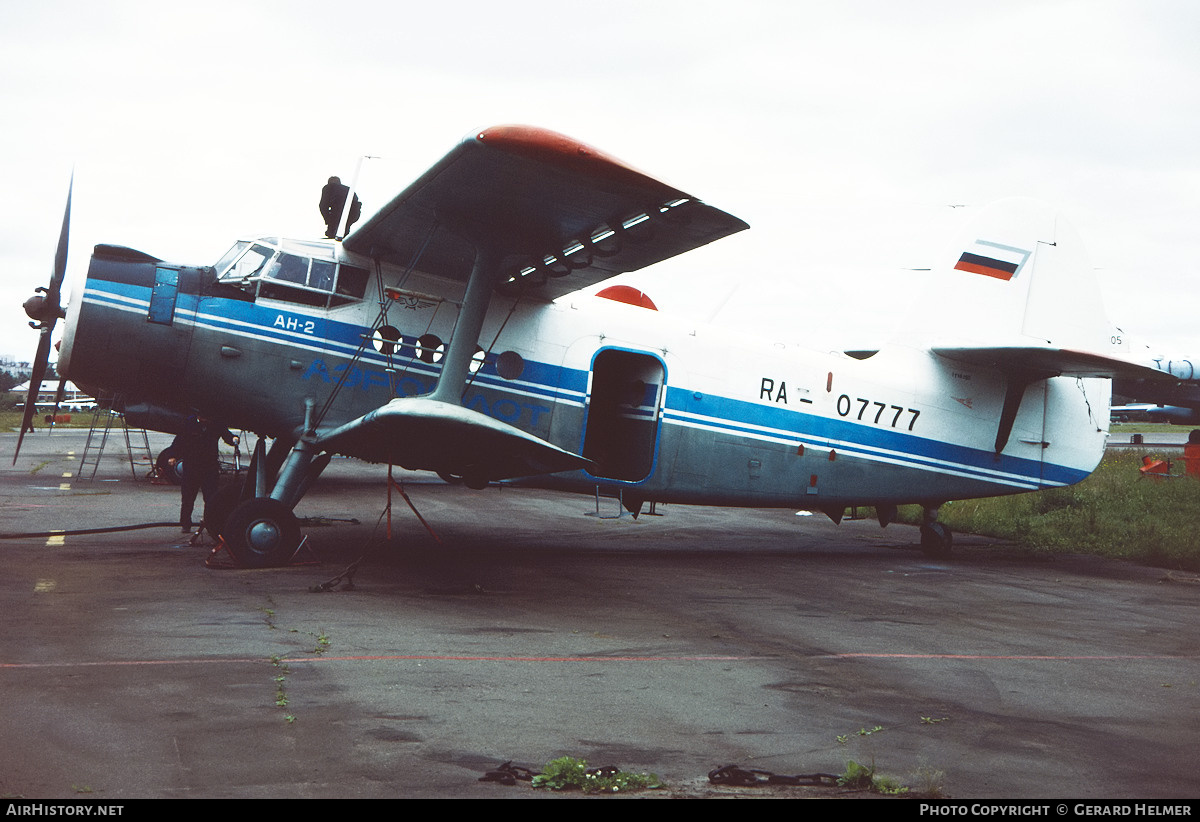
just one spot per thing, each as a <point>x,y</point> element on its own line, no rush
<point>218,509</point>
<point>450,479</point>
<point>936,540</point>
<point>261,533</point>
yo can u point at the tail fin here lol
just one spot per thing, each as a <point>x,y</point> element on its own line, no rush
<point>1018,276</point>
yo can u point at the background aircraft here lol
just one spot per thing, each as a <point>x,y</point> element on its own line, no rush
<point>445,333</point>
<point>1173,396</point>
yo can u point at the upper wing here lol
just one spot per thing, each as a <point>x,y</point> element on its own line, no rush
<point>548,216</point>
<point>565,215</point>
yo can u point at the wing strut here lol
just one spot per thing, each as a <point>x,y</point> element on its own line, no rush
<point>434,431</point>
<point>456,366</point>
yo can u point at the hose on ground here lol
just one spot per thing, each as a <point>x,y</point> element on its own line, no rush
<point>81,531</point>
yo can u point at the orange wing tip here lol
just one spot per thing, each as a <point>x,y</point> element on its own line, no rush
<point>556,149</point>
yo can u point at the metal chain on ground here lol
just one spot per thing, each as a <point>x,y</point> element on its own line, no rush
<point>733,775</point>
<point>509,774</point>
<point>347,574</point>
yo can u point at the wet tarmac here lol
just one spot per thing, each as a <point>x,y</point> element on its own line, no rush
<point>530,628</point>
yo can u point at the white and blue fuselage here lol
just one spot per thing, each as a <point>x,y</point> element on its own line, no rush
<point>664,409</point>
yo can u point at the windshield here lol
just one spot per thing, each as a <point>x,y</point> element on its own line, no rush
<point>264,271</point>
<point>229,256</point>
<point>247,265</point>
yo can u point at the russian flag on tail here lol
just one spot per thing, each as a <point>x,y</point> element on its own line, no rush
<point>992,260</point>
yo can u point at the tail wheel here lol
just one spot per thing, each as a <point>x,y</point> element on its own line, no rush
<point>936,540</point>
<point>261,533</point>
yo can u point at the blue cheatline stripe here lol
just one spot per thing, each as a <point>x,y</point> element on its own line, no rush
<point>750,420</point>
<point>791,427</point>
<point>340,339</point>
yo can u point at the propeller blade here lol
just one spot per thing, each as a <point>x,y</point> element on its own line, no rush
<point>60,257</point>
<point>58,398</point>
<point>35,386</point>
<point>46,310</point>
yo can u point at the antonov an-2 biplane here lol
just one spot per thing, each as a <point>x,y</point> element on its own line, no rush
<point>434,338</point>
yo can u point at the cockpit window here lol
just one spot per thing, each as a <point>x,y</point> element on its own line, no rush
<point>249,264</point>
<point>289,268</point>
<point>321,275</point>
<point>263,271</point>
<point>229,256</point>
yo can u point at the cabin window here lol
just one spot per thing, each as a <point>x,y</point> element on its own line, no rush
<point>352,281</point>
<point>386,340</point>
<point>510,365</point>
<point>478,359</point>
<point>430,348</point>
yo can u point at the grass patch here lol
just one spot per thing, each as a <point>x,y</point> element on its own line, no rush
<point>860,777</point>
<point>11,421</point>
<point>568,773</point>
<point>1115,513</point>
<point>1119,430</point>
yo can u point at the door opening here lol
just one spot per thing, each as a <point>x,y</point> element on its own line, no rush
<point>624,405</point>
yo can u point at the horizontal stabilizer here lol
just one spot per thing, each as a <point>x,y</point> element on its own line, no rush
<point>1043,362</point>
<point>423,434</point>
<point>562,215</point>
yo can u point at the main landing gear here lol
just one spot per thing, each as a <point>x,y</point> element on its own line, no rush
<point>936,538</point>
<point>255,518</point>
<point>261,533</point>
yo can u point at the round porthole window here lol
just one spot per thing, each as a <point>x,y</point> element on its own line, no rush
<point>478,359</point>
<point>510,365</point>
<point>385,340</point>
<point>430,348</point>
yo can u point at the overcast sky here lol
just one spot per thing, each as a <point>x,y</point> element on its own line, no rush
<point>841,131</point>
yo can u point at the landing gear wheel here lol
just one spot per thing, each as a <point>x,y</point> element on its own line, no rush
<point>261,533</point>
<point>171,473</point>
<point>936,540</point>
<point>450,479</point>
